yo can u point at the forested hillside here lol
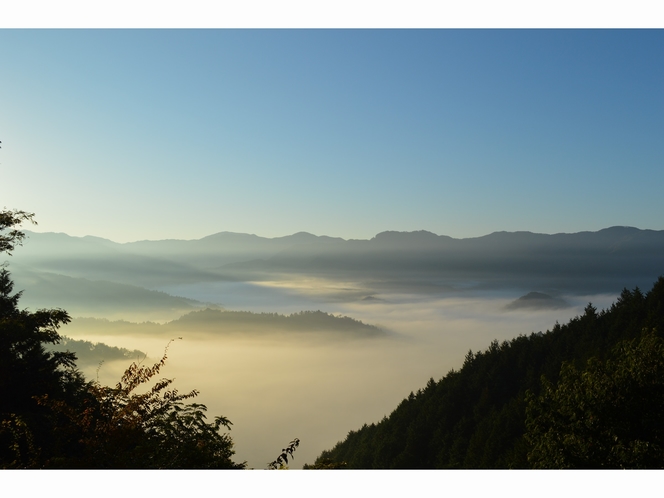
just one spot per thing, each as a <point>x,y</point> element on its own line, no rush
<point>587,394</point>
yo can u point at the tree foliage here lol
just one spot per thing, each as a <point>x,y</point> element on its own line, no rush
<point>281,461</point>
<point>607,415</point>
<point>122,428</point>
<point>325,464</point>
<point>28,436</point>
<point>9,219</point>
<point>50,417</point>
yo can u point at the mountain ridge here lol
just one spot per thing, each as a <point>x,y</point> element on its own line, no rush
<point>378,235</point>
<point>582,262</point>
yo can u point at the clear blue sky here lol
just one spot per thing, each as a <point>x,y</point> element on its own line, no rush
<point>156,134</point>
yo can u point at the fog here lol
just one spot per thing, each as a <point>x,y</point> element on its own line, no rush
<point>433,296</point>
<point>317,387</point>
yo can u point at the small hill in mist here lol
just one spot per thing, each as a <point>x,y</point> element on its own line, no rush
<point>236,323</point>
<point>537,301</point>
<point>304,321</point>
<point>372,299</point>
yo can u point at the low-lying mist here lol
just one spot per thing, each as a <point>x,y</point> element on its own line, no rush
<point>316,376</point>
<point>318,386</point>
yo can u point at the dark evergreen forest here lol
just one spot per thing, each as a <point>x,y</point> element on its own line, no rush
<point>587,394</point>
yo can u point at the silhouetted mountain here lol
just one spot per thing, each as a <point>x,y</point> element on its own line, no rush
<point>372,299</point>
<point>80,296</point>
<point>214,321</point>
<point>537,301</point>
<point>100,259</point>
<point>584,262</point>
<point>304,321</point>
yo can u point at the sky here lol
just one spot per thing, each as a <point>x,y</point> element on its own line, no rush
<point>154,134</point>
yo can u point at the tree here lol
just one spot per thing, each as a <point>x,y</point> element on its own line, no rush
<point>9,220</point>
<point>120,428</point>
<point>606,416</point>
<point>50,417</point>
<point>27,370</point>
<point>281,463</point>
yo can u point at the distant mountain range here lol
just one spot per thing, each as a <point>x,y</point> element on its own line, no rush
<point>581,262</point>
<point>577,263</point>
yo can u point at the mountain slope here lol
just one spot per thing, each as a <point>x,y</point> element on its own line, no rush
<point>475,417</point>
<point>83,297</point>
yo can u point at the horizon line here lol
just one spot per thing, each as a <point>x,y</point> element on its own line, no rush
<point>305,233</point>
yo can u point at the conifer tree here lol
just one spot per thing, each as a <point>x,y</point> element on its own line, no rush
<point>29,373</point>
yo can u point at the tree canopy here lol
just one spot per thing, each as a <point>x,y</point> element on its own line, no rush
<point>607,415</point>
